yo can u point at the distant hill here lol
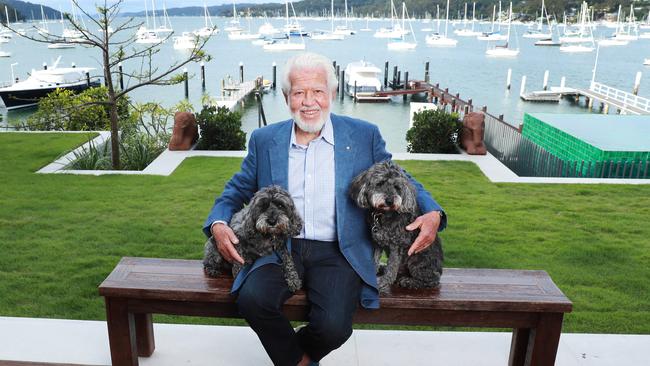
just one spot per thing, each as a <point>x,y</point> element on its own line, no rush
<point>26,11</point>
<point>417,8</point>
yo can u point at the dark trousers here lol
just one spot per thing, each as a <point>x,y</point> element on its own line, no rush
<point>333,289</point>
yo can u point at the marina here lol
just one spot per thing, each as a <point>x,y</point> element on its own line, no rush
<point>464,68</point>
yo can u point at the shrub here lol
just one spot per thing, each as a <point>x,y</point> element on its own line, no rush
<point>220,129</point>
<point>92,158</point>
<point>433,131</point>
<point>63,110</point>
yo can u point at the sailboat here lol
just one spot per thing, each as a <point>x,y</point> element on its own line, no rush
<point>504,50</point>
<point>65,43</point>
<point>331,35</point>
<point>613,40</point>
<point>395,30</point>
<point>344,30</point>
<point>233,24</point>
<point>493,35</point>
<point>166,27</point>
<point>465,32</point>
<point>267,29</point>
<point>209,28</point>
<point>287,45</point>
<point>402,44</point>
<point>629,33</point>
<point>582,35</point>
<point>579,42</point>
<point>436,40</point>
<point>244,35</point>
<point>144,34</point>
<point>537,33</point>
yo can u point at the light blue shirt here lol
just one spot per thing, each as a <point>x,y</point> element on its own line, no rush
<point>311,184</point>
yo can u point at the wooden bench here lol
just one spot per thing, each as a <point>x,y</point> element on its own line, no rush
<point>526,301</point>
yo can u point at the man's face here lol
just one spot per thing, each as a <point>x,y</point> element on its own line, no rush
<point>309,98</point>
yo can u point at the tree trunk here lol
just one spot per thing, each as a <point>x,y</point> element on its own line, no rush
<point>115,133</point>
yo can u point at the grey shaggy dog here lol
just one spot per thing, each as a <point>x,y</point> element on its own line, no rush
<point>263,226</point>
<point>391,200</point>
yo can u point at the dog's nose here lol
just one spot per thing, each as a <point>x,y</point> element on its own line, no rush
<point>389,201</point>
<point>271,221</point>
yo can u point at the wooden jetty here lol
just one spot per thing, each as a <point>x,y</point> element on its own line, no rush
<point>606,96</point>
<point>233,94</point>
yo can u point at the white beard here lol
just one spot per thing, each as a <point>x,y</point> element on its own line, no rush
<point>310,127</point>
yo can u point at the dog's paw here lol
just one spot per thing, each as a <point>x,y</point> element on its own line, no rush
<point>383,284</point>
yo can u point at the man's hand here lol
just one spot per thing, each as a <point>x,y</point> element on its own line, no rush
<point>428,224</point>
<point>226,241</point>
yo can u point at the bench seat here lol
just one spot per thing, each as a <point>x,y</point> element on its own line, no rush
<point>526,301</point>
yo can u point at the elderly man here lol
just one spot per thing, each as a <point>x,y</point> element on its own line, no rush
<point>315,155</point>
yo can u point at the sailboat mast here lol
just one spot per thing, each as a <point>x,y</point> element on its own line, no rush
<point>146,14</point>
<point>446,18</point>
<point>332,14</point>
<point>153,13</point>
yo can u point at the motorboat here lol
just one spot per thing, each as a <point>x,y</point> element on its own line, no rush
<point>612,41</point>
<point>42,82</point>
<point>60,45</point>
<point>646,62</point>
<point>362,75</point>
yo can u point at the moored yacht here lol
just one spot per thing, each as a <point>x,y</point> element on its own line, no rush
<point>362,81</point>
<point>42,82</point>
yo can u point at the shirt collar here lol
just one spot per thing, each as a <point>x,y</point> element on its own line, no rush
<point>327,133</point>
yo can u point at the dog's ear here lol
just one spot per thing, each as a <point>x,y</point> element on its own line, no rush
<point>409,197</point>
<point>296,223</point>
<point>358,189</point>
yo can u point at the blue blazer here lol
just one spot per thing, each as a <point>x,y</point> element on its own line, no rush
<point>357,146</point>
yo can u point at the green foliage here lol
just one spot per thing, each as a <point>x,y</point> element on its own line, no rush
<point>92,158</point>
<point>433,131</point>
<point>220,129</point>
<point>63,110</point>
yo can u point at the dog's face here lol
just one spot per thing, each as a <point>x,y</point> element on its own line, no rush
<point>384,187</point>
<point>273,212</point>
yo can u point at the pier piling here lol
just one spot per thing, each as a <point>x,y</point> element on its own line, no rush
<point>342,84</point>
<point>522,89</point>
<point>637,83</point>
<point>119,67</point>
<point>202,75</point>
<point>562,82</point>
<point>44,65</point>
<point>275,69</point>
<point>406,84</point>
<point>394,76</point>
<point>186,79</point>
<point>338,70</point>
<point>355,91</point>
<point>87,78</point>
<point>426,72</point>
<point>386,74</point>
<point>508,79</point>
<point>545,85</point>
<point>241,72</point>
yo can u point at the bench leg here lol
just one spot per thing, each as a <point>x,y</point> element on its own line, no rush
<point>537,346</point>
<point>519,346</point>
<point>144,334</point>
<point>121,333</point>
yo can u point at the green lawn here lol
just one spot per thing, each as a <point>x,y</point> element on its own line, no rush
<point>60,235</point>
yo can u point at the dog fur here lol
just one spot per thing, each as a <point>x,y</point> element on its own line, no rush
<point>263,226</point>
<point>391,200</point>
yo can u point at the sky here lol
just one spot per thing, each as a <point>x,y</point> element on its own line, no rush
<point>138,5</point>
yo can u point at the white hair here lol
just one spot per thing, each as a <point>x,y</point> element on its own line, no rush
<point>308,60</point>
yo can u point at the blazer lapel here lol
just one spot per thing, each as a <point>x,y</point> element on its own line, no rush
<point>344,152</point>
<point>279,156</point>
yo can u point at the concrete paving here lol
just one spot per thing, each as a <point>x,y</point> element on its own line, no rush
<point>86,343</point>
<point>168,161</point>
